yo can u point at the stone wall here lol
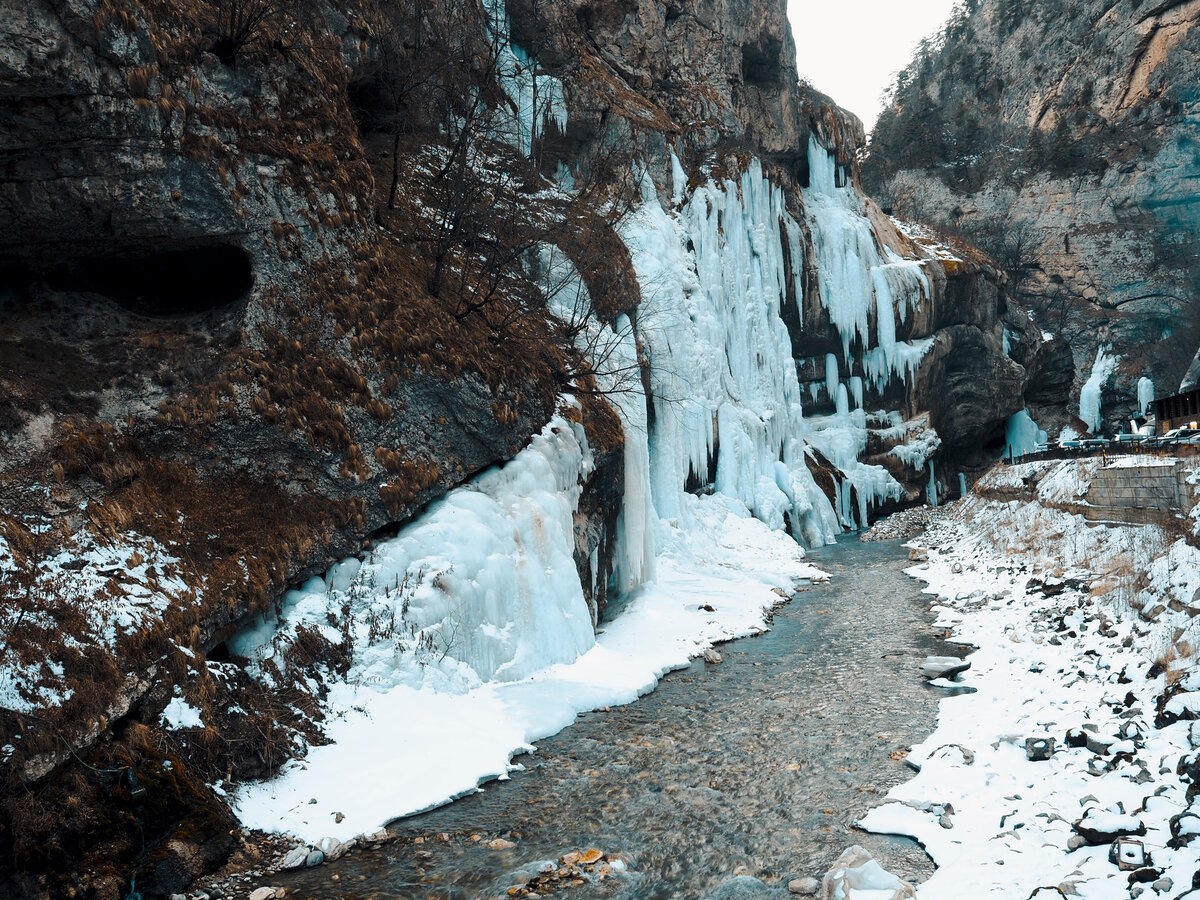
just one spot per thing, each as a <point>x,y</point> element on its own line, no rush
<point>1145,494</point>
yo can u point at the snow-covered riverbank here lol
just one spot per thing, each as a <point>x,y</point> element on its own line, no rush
<point>1085,636</point>
<point>414,741</point>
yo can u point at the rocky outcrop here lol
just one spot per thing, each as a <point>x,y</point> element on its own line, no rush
<point>1063,138</point>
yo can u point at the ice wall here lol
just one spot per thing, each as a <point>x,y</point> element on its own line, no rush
<point>713,279</point>
<point>859,281</point>
<point>483,586</point>
<point>1145,391</point>
<point>535,99</point>
<point>1090,393</point>
<point>1022,435</point>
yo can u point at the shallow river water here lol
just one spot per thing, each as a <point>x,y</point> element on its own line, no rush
<point>757,765</point>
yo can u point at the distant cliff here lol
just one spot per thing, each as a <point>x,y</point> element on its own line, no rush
<point>1064,138</point>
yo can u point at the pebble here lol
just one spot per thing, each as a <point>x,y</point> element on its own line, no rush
<point>500,844</point>
<point>804,886</point>
<point>263,893</point>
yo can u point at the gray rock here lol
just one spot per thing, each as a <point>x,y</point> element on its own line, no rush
<point>712,655</point>
<point>806,887</point>
<point>1100,744</point>
<point>1039,749</point>
<point>1163,885</point>
<point>295,858</point>
<point>1075,841</point>
<point>315,858</point>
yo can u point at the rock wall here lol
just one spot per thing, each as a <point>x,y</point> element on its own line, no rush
<point>1065,139</point>
<point>221,344</point>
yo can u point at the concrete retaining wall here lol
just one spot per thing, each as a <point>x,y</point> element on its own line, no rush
<point>1142,495</point>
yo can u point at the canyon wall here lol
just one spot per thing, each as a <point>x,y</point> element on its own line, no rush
<point>267,294</point>
<point>1064,138</point>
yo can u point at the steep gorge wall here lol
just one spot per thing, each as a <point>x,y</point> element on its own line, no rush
<point>1064,138</point>
<point>216,442</point>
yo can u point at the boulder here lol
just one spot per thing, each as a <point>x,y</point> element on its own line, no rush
<point>857,870</point>
<point>1099,827</point>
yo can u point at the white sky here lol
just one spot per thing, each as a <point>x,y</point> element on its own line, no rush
<point>851,49</point>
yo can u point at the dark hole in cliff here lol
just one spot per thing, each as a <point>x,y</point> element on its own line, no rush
<point>760,62</point>
<point>178,282</point>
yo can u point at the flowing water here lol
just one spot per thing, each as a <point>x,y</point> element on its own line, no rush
<point>758,765</point>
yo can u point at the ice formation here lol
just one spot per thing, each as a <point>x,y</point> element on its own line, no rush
<point>721,370</point>
<point>475,610</point>
<point>1022,435</point>
<point>481,587</point>
<point>1089,394</point>
<point>855,281</point>
<point>535,98</point>
<point>1145,391</point>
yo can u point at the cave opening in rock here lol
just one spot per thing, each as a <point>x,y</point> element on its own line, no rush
<point>760,63</point>
<point>162,283</point>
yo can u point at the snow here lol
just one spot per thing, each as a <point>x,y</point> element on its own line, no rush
<point>1145,393</point>
<point>1090,393</point>
<point>1043,665</point>
<point>400,746</point>
<point>118,585</point>
<point>179,714</point>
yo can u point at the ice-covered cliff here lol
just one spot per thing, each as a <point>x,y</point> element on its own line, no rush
<point>272,308</point>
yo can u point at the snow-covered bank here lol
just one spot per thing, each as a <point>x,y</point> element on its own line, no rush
<point>410,747</point>
<point>1085,635</point>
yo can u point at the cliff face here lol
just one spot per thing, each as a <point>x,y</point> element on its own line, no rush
<point>1065,140</point>
<point>265,295</point>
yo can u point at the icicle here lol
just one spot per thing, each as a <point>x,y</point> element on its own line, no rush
<point>831,375</point>
<point>931,491</point>
<point>962,484</point>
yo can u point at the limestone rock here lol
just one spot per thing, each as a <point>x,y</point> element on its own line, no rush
<point>856,869</point>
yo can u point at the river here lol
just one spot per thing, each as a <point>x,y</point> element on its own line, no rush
<point>758,765</point>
